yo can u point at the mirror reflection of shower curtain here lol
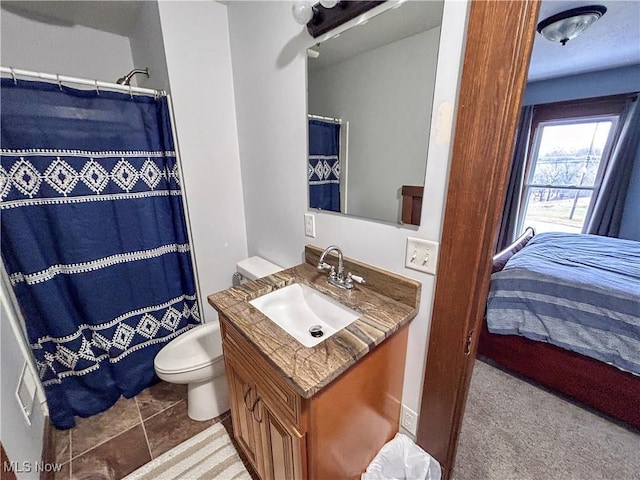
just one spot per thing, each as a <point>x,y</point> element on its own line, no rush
<point>324,165</point>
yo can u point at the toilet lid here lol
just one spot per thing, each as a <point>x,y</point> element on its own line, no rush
<point>194,349</point>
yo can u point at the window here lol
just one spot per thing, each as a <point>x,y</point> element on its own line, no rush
<point>569,151</point>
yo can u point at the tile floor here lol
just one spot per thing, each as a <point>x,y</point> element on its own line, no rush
<point>134,431</point>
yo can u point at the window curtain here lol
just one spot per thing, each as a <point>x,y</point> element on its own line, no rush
<point>93,239</point>
<point>509,223</point>
<point>609,205</point>
<point>324,165</point>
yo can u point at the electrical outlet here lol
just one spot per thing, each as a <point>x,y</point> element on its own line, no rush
<point>421,255</point>
<point>310,225</point>
<point>408,420</point>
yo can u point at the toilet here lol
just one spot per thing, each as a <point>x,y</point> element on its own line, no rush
<point>195,357</point>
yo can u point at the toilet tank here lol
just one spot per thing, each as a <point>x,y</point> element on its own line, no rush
<point>255,267</point>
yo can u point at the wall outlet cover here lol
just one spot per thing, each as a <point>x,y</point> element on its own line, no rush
<point>421,255</point>
<point>409,420</point>
<point>310,225</point>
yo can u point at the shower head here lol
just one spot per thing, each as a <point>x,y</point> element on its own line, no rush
<point>126,80</point>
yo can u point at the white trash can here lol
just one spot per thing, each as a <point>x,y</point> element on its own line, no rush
<point>402,459</point>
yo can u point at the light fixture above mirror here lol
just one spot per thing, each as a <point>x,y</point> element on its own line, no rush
<point>328,14</point>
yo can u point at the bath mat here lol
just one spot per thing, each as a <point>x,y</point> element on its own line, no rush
<point>209,455</point>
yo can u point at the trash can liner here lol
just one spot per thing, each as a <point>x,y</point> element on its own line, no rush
<point>402,459</point>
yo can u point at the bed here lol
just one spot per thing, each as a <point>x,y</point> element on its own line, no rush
<point>564,310</point>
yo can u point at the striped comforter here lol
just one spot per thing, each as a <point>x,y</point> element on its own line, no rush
<point>579,292</point>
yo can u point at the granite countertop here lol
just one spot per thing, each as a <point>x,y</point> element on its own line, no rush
<point>307,370</point>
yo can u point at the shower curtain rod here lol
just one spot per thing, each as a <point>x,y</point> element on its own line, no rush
<point>326,119</point>
<point>14,72</point>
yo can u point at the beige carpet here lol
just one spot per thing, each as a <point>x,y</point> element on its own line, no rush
<point>209,455</point>
<point>514,430</point>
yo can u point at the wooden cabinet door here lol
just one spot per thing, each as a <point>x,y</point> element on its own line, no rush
<point>246,430</point>
<point>282,446</point>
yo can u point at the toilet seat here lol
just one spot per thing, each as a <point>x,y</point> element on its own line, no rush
<point>198,348</point>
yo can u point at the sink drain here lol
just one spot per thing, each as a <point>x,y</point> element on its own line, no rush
<point>316,331</point>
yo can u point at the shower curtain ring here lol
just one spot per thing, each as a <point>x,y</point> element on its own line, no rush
<point>97,89</point>
<point>13,74</point>
<point>131,92</point>
<point>59,81</point>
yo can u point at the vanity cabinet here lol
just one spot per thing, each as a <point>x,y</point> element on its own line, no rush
<point>264,412</point>
<point>334,433</point>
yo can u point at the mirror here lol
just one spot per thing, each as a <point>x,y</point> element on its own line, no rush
<point>370,94</point>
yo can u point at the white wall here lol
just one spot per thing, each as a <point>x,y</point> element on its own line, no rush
<point>269,69</point>
<point>147,48</point>
<point>69,50</point>
<point>21,440</point>
<point>386,96</point>
<point>196,39</point>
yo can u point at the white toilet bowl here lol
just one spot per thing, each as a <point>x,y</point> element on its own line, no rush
<point>195,358</point>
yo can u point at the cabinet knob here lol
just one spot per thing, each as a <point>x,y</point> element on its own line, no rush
<point>253,410</point>
<point>246,394</point>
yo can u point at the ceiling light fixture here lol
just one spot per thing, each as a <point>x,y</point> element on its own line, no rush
<point>566,25</point>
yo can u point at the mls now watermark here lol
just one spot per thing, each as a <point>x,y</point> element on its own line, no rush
<point>29,467</point>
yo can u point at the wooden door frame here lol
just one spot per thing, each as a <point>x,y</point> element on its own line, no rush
<point>496,60</point>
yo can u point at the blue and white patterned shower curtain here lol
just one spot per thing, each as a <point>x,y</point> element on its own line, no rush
<point>93,239</point>
<point>324,165</point>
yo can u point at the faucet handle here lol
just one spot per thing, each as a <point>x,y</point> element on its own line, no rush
<point>323,266</point>
<point>355,278</point>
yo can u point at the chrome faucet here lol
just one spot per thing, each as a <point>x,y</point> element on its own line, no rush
<point>337,278</point>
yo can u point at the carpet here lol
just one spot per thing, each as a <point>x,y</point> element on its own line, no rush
<point>208,455</point>
<point>515,430</point>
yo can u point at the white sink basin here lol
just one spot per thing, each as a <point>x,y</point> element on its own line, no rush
<point>297,308</point>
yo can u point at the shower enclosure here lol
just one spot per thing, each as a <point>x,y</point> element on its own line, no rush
<point>94,235</point>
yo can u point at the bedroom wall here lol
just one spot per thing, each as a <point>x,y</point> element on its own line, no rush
<point>396,78</point>
<point>269,70</point>
<point>630,226</point>
<point>586,85</point>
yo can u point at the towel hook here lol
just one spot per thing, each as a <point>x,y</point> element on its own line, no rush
<point>13,74</point>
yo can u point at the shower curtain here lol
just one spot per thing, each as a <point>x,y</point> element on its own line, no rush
<point>324,165</point>
<point>93,239</point>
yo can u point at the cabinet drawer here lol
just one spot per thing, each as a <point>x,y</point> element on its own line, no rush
<point>285,402</point>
